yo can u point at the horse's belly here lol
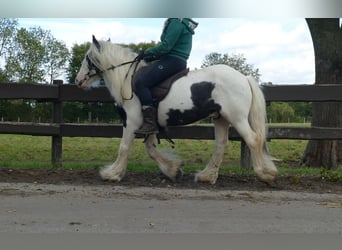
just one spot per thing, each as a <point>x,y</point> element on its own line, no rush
<point>188,105</point>
<point>177,117</point>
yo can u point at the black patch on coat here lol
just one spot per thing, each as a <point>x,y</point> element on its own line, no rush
<point>203,105</point>
<point>122,114</point>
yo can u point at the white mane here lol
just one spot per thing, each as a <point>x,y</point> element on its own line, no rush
<point>119,79</point>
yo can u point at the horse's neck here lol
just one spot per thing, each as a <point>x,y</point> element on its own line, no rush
<point>118,82</point>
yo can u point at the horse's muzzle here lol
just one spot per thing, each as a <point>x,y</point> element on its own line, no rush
<point>80,83</point>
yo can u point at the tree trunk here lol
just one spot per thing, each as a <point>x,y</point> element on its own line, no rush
<point>326,35</point>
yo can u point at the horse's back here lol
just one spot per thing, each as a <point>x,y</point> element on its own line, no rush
<point>225,73</point>
<point>227,82</point>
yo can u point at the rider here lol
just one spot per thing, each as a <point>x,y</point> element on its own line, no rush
<point>171,56</point>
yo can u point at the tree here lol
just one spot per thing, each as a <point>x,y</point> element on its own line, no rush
<point>56,57</point>
<point>3,76</point>
<point>238,62</point>
<point>30,55</point>
<point>280,112</point>
<point>302,110</point>
<point>26,57</point>
<point>139,46</point>
<point>326,35</point>
<point>7,31</point>
<point>78,52</point>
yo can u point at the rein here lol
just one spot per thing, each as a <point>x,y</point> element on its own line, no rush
<point>99,72</point>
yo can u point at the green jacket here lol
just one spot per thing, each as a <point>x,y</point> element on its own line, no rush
<point>176,39</point>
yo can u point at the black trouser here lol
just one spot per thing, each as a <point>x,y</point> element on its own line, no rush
<point>154,74</point>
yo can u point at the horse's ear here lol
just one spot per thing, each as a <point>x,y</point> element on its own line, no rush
<point>96,43</point>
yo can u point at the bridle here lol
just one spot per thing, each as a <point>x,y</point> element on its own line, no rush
<point>99,72</point>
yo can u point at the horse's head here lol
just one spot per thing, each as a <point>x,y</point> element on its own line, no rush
<point>91,69</point>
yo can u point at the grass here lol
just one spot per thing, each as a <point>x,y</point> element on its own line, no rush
<point>21,151</point>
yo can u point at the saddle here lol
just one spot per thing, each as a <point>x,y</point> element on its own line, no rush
<point>161,90</point>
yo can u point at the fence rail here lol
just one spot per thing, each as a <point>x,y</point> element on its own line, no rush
<point>59,93</point>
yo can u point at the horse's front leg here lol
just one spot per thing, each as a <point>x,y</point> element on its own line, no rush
<point>117,170</point>
<point>168,163</point>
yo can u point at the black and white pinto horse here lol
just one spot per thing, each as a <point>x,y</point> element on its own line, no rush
<point>219,91</point>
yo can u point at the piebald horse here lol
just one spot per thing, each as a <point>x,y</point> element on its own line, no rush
<point>219,91</point>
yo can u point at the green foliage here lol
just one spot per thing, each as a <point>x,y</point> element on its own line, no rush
<point>3,77</point>
<point>25,111</point>
<point>142,46</point>
<point>14,110</point>
<point>78,52</point>
<point>303,110</point>
<point>289,112</point>
<point>56,56</point>
<point>31,55</point>
<point>238,62</point>
<point>26,57</point>
<point>280,112</point>
<point>7,30</point>
<point>90,112</point>
<point>41,112</point>
<point>331,175</point>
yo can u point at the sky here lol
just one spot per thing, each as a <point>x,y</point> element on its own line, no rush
<point>281,48</point>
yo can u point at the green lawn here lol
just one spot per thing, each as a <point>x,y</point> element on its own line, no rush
<point>21,151</point>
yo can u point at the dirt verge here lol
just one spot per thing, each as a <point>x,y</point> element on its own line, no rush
<point>295,183</point>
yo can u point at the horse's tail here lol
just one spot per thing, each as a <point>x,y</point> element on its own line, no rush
<point>262,161</point>
<point>257,113</point>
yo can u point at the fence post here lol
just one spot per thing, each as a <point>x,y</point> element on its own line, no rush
<point>245,157</point>
<point>57,116</point>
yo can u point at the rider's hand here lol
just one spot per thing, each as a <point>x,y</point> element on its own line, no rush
<point>140,56</point>
<point>149,58</point>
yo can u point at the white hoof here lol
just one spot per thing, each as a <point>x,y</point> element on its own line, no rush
<point>107,173</point>
<point>204,176</point>
<point>267,176</point>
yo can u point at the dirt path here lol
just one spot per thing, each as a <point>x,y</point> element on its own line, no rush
<point>148,179</point>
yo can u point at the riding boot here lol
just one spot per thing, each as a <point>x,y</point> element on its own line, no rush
<point>150,121</point>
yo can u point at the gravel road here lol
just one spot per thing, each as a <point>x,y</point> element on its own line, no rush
<point>29,207</point>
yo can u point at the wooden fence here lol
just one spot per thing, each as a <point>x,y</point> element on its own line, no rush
<point>59,93</point>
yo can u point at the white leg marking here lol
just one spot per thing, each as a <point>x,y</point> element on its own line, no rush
<point>117,170</point>
<point>210,173</point>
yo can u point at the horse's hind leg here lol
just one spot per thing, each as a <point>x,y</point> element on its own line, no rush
<point>168,164</point>
<point>261,160</point>
<point>210,173</point>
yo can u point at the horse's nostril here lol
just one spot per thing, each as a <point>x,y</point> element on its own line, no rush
<point>79,83</point>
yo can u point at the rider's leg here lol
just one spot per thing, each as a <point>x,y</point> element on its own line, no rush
<point>152,76</point>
